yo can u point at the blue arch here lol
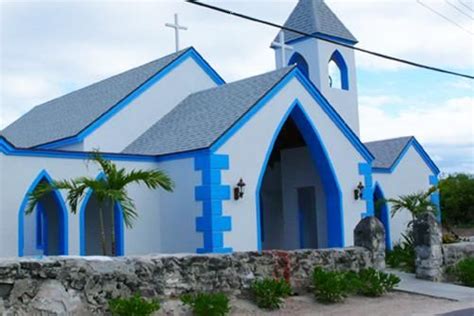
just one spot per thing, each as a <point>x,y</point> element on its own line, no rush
<point>63,218</point>
<point>384,215</point>
<point>118,225</point>
<point>323,164</point>
<point>341,64</point>
<point>301,63</point>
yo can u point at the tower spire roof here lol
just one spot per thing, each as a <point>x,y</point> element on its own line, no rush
<point>315,17</point>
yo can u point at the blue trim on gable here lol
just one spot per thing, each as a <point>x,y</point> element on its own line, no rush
<point>344,71</point>
<point>119,226</point>
<point>323,164</point>
<point>365,169</point>
<point>419,149</point>
<point>63,216</point>
<point>190,53</point>
<point>385,215</point>
<point>323,36</point>
<point>212,193</point>
<point>318,97</point>
<point>435,196</point>
<point>9,150</point>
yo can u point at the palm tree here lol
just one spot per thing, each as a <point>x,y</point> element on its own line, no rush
<point>109,189</point>
<point>416,203</point>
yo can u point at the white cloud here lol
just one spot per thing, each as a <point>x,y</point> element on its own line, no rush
<point>445,130</point>
<point>448,123</point>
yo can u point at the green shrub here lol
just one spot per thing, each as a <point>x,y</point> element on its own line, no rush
<point>403,254</point>
<point>464,271</point>
<point>133,306</point>
<point>269,293</point>
<point>332,286</point>
<point>457,199</point>
<point>375,283</point>
<point>207,304</point>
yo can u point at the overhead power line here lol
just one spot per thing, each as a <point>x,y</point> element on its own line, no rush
<point>366,51</point>
<point>466,6</point>
<point>458,9</point>
<point>443,16</point>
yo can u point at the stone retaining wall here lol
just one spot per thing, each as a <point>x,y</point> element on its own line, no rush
<point>77,285</point>
<point>453,253</point>
<point>433,258</point>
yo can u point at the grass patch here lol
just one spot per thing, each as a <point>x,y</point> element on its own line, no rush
<point>464,271</point>
<point>207,304</point>
<point>270,293</point>
<point>133,306</point>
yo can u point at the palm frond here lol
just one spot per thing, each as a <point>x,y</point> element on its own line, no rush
<point>44,189</point>
<point>153,179</point>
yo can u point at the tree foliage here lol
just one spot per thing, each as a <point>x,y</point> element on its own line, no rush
<point>415,203</point>
<point>457,199</point>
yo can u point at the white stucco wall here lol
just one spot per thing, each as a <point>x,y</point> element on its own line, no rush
<point>249,145</point>
<point>317,54</point>
<point>146,109</point>
<point>178,210</point>
<point>165,222</point>
<point>411,175</point>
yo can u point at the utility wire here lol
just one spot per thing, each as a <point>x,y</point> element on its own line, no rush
<point>400,60</point>
<point>443,16</point>
<point>466,6</point>
<point>459,10</point>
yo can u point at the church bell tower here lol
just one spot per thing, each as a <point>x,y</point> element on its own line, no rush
<point>330,66</point>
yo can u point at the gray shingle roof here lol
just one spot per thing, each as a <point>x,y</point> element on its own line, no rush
<point>387,151</point>
<point>314,16</point>
<point>68,115</point>
<point>200,119</point>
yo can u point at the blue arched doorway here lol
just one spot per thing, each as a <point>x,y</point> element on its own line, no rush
<point>45,231</point>
<point>302,213</point>
<point>90,230</point>
<point>300,62</point>
<point>382,213</point>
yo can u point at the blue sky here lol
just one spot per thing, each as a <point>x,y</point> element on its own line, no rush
<point>49,48</point>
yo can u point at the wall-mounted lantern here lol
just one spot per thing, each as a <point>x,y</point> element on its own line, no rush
<point>359,191</point>
<point>239,190</point>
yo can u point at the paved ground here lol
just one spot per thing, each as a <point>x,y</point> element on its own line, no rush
<point>434,289</point>
<point>391,304</point>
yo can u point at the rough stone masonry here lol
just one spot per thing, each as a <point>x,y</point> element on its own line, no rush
<point>73,285</point>
<point>83,285</point>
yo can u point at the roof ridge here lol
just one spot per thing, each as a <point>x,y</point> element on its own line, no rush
<point>390,139</point>
<point>227,84</point>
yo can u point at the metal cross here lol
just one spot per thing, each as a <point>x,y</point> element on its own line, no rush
<point>281,44</point>
<point>176,28</point>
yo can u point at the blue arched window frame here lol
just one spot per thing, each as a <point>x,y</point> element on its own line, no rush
<point>337,58</point>
<point>301,63</point>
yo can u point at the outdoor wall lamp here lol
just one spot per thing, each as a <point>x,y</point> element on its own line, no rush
<point>239,190</point>
<point>358,192</point>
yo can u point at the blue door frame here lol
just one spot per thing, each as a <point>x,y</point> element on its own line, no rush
<point>384,215</point>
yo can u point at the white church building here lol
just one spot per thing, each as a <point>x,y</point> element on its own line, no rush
<point>290,135</point>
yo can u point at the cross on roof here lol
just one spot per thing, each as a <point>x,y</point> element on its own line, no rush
<point>176,28</point>
<point>281,44</point>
